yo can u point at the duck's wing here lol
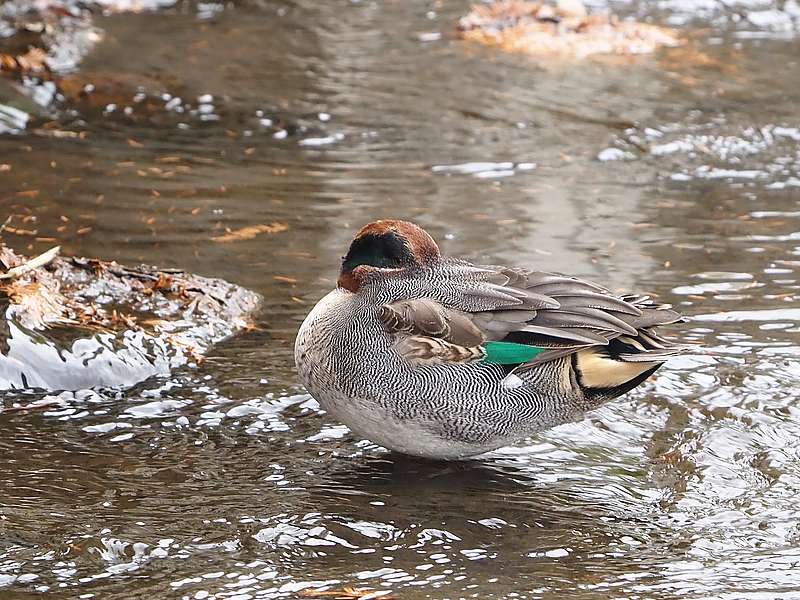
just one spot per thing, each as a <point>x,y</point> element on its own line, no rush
<point>520,318</point>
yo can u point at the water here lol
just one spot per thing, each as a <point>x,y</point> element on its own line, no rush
<point>227,481</point>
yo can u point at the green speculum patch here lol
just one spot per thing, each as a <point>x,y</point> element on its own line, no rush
<point>509,353</point>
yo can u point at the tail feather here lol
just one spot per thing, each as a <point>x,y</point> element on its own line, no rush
<point>653,355</point>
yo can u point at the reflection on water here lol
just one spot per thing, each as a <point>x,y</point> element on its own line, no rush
<point>227,481</point>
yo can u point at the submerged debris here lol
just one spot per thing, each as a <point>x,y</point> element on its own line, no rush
<point>564,29</point>
<point>74,323</point>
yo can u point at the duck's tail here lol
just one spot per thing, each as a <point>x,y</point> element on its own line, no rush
<point>605,372</point>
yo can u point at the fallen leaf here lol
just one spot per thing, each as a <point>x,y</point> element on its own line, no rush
<point>163,283</point>
<point>33,61</point>
<point>20,231</point>
<point>248,233</point>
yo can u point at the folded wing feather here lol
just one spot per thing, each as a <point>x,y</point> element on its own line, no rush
<point>471,305</point>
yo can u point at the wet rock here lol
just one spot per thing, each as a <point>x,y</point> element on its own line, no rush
<point>75,323</point>
<point>564,29</point>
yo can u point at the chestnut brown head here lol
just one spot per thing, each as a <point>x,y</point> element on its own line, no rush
<point>386,245</point>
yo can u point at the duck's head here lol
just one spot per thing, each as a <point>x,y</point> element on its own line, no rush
<point>386,246</point>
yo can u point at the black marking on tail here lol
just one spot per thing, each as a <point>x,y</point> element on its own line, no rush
<point>617,346</point>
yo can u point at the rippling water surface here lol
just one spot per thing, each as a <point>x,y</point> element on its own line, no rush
<point>676,174</point>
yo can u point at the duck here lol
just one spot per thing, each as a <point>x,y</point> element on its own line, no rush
<point>440,358</point>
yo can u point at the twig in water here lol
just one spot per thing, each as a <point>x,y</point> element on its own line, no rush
<point>34,263</point>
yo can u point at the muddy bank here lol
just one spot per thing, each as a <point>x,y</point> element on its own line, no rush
<point>75,323</point>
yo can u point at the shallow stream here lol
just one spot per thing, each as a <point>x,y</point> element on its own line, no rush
<point>676,174</point>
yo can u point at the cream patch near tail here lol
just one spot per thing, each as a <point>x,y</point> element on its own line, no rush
<point>598,371</point>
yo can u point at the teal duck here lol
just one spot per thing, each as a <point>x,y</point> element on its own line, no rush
<point>441,358</point>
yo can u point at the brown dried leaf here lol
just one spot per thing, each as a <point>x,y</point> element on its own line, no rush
<point>20,231</point>
<point>33,61</point>
<point>249,232</point>
<point>163,283</point>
